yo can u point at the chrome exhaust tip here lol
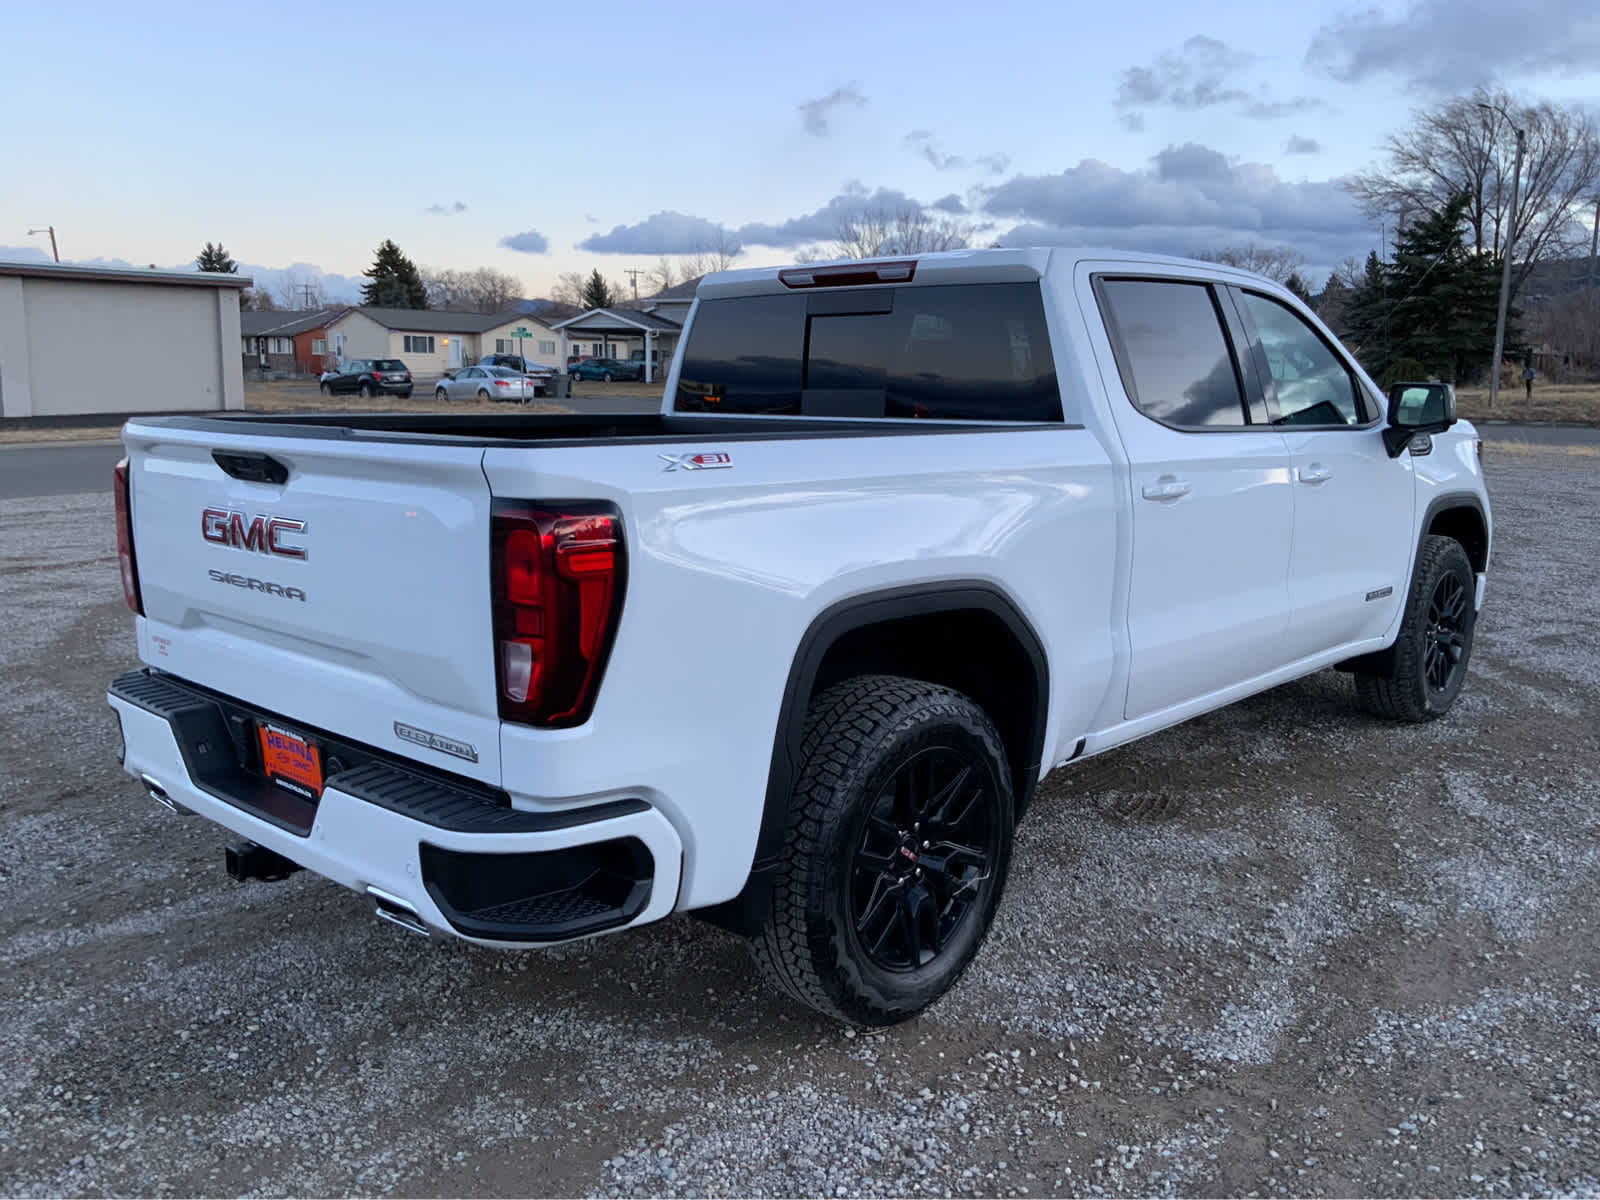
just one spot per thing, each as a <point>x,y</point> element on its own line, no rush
<point>397,911</point>
<point>158,793</point>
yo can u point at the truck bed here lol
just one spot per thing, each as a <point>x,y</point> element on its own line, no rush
<point>535,429</point>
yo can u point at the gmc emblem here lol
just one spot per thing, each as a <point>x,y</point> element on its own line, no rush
<point>264,535</point>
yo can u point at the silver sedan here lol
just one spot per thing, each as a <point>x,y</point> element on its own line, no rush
<point>485,383</point>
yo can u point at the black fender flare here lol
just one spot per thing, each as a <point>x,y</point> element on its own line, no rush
<point>746,911</point>
<point>1381,662</point>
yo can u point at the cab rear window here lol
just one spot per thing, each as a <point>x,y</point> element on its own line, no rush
<point>957,352</point>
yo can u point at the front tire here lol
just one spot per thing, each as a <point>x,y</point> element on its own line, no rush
<point>606,377</point>
<point>325,389</point>
<point>1435,642</point>
<point>441,396</point>
<point>899,841</point>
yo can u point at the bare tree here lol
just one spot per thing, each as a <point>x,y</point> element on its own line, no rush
<point>484,290</point>
<point>1277,263</point>
<point>715,254</point>
<point>1459,146</point>
<point>568,289</point>
<point>297,292</point>
<point>492,291</point>
<point>873,233</point>
<point>663,275</point>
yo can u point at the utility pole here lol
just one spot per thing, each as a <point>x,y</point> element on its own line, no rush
<point>633,274</point>
<point>1594,249</point>
<point>51,230</point>
<point>1505,271</point>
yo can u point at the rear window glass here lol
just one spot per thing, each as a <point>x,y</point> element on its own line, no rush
<point>957,352</point>
<point>388,364</point>
<point>1174,358</point>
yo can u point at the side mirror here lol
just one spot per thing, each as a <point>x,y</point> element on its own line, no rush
<point>1416,408</point>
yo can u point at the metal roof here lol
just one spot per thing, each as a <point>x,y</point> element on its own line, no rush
<point>52,270</point>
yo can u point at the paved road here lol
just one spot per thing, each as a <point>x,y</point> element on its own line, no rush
<point>62,469</point>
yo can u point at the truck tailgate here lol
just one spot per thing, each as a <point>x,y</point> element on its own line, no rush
<point>352,597</point>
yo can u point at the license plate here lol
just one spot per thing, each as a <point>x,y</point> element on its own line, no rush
<point>291,761</point>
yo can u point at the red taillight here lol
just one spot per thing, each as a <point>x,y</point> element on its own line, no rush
<point>502,383</point>
<point>130,570</point>
<point>558,581</point>
<point>849,274</point>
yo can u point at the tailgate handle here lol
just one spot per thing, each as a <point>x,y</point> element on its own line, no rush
<point>256,468</point>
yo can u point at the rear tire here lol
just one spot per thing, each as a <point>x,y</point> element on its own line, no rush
<point>483,395</point>
<point>441,396</point>
<point>366,391</point>
<point>899,841</point>
<point>1435,642</point>
<point>606,377</point>
<point>325,389</point>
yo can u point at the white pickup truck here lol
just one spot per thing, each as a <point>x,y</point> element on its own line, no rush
<point>795,652</point>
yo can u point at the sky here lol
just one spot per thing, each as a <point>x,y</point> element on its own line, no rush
<point>540,139</point>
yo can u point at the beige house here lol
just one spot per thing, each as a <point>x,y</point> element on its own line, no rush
<point>431,342</point>
<point>91,340</point>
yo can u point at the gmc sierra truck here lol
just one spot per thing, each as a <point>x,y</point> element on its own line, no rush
<point>794,653</point>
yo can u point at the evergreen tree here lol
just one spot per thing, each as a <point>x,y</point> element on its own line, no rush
<point>1298,286</point>
<point>396,282</point>
<point>1443,297</point>
<point>596,293</point>
<point>1366,317</point>
<point>216,259</point>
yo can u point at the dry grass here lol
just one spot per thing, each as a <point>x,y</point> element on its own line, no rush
<point>1574,403</point>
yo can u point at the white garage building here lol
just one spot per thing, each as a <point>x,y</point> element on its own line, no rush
<point>82,340</point>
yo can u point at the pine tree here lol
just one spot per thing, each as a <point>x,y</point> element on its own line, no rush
<point>216,260</point>
<point>596,293</point>
<point>1443,297</point>
<point>1298,286</point>
<point>396,282</point>
<point>1366,317</point>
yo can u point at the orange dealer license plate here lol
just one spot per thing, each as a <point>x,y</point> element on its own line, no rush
<point>290,761</point>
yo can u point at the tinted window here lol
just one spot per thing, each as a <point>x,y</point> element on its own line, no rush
<point>1173,356</point>
<point>961,352</point>
<point>388,364</point>
<point>1313,386</point>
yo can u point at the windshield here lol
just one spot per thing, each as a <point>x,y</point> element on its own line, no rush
<point>388,364</point>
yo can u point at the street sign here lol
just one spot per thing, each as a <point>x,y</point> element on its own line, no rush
<point>521,332</point>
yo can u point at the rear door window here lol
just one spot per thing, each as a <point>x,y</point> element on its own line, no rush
<point>1175,360</point>
<point>956,352</point>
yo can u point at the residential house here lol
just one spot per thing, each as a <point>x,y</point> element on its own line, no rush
<point>622,333</point>
<point>290,343</point>
<point>432,342</point>
<point>674,302</point>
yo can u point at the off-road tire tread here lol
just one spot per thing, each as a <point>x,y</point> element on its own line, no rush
<point>839,723</point>
<point>1395,696</point>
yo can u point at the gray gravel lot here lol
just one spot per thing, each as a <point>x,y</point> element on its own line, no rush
<point>1285,949</point>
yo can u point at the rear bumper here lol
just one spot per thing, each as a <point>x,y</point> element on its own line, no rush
<point>464,864</point>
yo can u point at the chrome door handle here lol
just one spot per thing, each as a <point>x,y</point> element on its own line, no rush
<point>1315,473</point>
<point>1168,487</point>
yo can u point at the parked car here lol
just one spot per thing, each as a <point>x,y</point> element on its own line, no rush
<point>538,372</point>
<point>795,652</point>
<point>369,377</point>
<point>607,369</point>
<point>485,383</point>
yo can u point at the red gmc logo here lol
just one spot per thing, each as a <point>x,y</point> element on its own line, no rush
<point>264,535</point>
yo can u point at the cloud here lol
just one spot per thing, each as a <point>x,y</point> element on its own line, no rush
<point>1190,197</point>
<point>1202,73</point>
<point>660,233</point>
<point>924,144</point>
<point>591,218</point>
<point>822,225</point>
<point>1443,46</point>
<point>529,241</point>
<point>815,113</point>
<point>950,204</point>
<point>445,210</point>
<point>1303,145</point>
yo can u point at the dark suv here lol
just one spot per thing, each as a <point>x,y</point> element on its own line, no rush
<point>370,377</point>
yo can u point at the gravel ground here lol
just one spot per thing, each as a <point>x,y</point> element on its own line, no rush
<point>1285,949</point>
